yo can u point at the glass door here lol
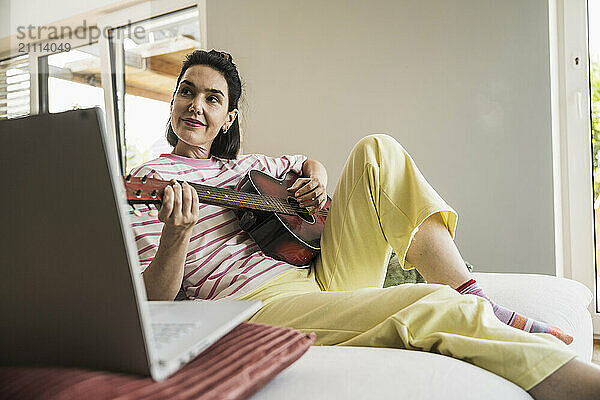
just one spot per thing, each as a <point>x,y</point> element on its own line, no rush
<point>147,57</point>
<point>594,55</point>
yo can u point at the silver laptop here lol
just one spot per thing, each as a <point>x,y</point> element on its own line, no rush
<point>71,293</point>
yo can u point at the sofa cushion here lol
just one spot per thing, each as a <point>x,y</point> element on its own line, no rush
<point>234,367</point>
<point>360,373</point>
<point>377,373</point>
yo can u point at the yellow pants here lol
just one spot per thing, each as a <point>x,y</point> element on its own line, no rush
<point>379,203</point>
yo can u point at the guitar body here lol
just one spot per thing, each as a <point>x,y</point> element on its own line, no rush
<point>294,239</point>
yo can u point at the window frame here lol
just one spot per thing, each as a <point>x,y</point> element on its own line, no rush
<point>39,100</point>
<point>572,147</point>
<point>120,18</point>
<point>115,19</point>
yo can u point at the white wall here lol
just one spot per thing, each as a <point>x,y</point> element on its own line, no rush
<point>464,86</point>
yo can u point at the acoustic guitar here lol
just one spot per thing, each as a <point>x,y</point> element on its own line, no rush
<point>265,210</point>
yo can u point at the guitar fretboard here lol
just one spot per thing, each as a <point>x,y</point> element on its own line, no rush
<point>232,198</point>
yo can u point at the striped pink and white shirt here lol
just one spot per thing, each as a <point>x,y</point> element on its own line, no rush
<point>222,261</point>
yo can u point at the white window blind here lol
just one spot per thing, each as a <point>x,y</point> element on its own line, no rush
<point>14,87</point>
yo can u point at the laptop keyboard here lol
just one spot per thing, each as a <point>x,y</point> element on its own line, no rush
<point>165,333</point>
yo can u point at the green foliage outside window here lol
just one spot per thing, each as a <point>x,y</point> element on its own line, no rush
<point>595,94</point>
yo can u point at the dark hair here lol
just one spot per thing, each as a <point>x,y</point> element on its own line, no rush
<point>225,145</point>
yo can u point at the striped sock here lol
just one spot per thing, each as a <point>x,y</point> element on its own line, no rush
<point>511,318</point>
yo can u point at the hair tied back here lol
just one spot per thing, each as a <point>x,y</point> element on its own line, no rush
<point>223,54</point>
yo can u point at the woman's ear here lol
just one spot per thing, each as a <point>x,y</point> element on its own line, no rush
<point>232,116</point>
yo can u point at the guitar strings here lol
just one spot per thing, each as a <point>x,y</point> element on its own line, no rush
<point>275,204</point>
<point>279,204</point>
<point>257,199</point>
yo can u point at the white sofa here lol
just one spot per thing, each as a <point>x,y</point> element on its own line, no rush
<point>374,373</point>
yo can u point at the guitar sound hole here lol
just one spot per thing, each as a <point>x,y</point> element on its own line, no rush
<point>304,215</point>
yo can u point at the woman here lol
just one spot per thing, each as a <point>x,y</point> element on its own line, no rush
<point>382,195</point>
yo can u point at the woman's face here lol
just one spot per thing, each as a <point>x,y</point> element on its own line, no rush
<point>199,110</point>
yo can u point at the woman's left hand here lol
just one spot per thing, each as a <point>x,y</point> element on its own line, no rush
<point>310,192</point>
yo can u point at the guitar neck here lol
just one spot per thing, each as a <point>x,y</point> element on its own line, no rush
<point>230,198</point>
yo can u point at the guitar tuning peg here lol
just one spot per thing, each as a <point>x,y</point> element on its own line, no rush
<point>137,213</point>
<point>128,178</point>
<point>144,178</point>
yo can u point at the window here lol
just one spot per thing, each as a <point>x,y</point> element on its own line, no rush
<point>74,79</point>
<point>571,23</point>
<point>594,77</point>
<point>594,49</point>
<point>146,58</point>
<point>129,74</point>
<point>14,87</point>
<point>71,80</point>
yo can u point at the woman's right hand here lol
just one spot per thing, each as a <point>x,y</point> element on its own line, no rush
<point>180,208</point>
